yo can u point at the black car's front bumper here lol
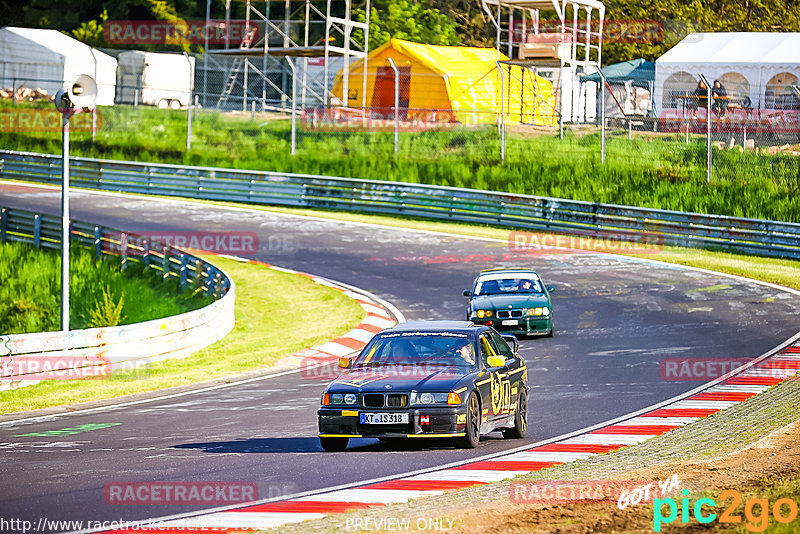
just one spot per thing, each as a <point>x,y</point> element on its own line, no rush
<point>442,422</point>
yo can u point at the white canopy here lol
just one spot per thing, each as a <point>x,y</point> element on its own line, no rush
<point>760,66</point>
<point>49,59</point>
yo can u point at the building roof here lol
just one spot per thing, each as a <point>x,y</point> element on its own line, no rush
<point>735,48</point>
<point>51,43</point>
<point>640,71</point>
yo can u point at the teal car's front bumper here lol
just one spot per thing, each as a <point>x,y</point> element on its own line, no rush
<point>526,326</point>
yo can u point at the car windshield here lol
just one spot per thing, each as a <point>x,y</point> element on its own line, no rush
<point>445,349</point>
<point>504,285</point>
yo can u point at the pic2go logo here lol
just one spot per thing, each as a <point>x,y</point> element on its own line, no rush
<point>783,511</point>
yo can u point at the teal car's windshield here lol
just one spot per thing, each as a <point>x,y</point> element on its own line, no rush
<point>446,349</point>
<point>504,285</point>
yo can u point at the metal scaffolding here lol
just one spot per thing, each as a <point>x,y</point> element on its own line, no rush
<point>307,29</point>
<point>574,45</point>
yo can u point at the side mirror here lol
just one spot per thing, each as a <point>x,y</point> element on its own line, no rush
<point>344,363</point>
<point>550,289</point>
<point>467,293</point>
<point>495,361</point>
<point>511,339</point>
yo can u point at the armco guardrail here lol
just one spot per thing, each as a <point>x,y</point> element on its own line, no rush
<point>28,358</point>
<point>649,226</point>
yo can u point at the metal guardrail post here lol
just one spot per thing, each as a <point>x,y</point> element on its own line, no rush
<point>184,269</point>
<point>146,252</point>
<point>98,243</point>
<point>37,230</point>
<point>217,285</point>
<point>123,250</point>
<point>3,224</point>
<point>165,269</point>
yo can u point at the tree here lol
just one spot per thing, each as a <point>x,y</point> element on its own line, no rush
<point>409,20</point>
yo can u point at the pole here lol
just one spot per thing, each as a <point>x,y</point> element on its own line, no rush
<point>396,105</point>
<point>189,105</point>
<point>502,113</point>
<point>708,128</point>
<point>294,104</point>
<point>602,115</point>
<point>205,50</point>
<point>65,222</point>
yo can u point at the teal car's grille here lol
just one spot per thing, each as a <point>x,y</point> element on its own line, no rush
<point>505,314</point>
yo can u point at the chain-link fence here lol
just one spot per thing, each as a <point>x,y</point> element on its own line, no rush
<point>502,130</point>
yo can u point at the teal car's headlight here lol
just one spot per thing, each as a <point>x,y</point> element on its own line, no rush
<point>428,398</point>
<point>542,311</point>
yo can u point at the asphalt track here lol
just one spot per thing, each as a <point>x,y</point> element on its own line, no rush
<point>615,318</point>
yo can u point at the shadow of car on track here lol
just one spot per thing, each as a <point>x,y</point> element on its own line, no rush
<point>312,445</point>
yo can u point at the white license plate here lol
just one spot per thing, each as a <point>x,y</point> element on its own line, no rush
<point>510,322</point>
<point>384,418</point>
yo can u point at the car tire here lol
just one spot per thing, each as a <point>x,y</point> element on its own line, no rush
<point>334,444</point>
<point>175,104</point>
<point>163,104</point>
<point>520,419</point>
<point>472,430</point>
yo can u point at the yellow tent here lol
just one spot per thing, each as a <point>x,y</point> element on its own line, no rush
<point>448,83</point>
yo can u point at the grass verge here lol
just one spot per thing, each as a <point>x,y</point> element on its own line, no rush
<point>270,324</point>
<point>100,294</point>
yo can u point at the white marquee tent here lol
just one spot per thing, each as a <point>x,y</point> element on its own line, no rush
<point>761,67</point>
<point>48,59</point>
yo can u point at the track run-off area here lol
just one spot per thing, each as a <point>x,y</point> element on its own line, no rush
<point>616,320</point>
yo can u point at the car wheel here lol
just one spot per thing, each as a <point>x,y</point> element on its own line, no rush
<point>163,104</point>
<point>520,419</point>
<point>472,430</point>
<point>175,104</point>
<point>334,444</point>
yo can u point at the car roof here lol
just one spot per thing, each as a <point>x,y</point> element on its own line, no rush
<point>495,271</point>
<point>461,327</point>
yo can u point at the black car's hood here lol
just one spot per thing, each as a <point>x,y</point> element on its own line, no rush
<point>401,378</point>
<point>516,300</point>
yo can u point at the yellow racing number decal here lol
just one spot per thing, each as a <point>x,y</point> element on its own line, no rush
<point>461,418</point>
<point>501,394</point>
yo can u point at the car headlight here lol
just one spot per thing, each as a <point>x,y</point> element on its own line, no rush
<point>483,313</point>
<point>428,398</point>
<point>539,311</point>
<point>339,398</point>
